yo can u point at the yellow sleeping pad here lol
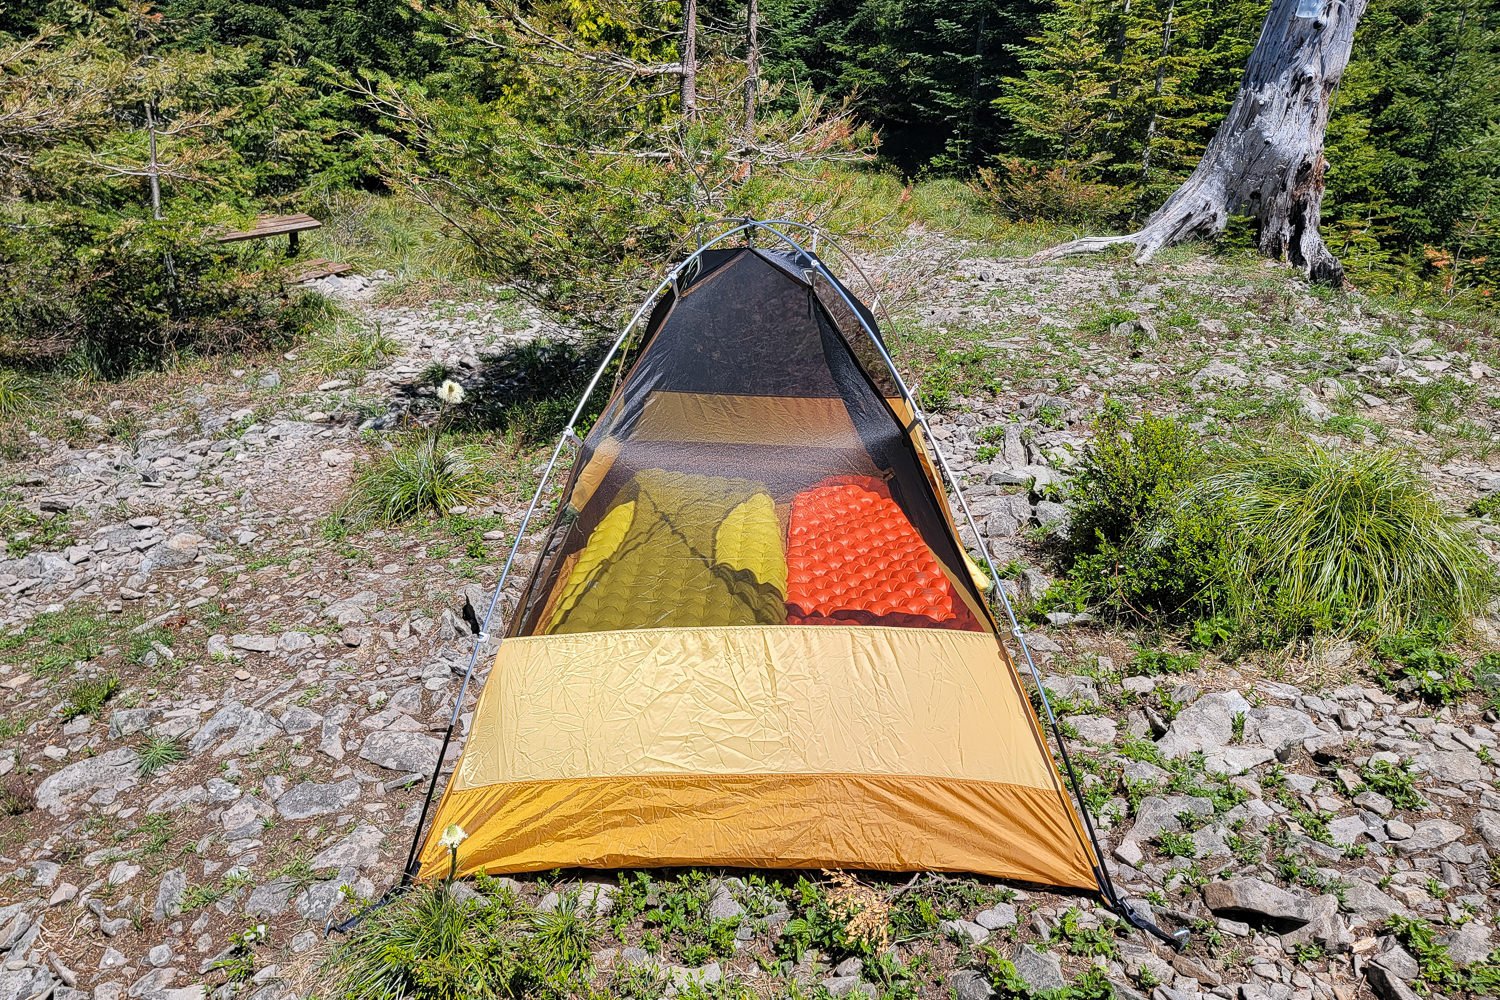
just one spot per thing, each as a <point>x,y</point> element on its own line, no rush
<point>678,551</point>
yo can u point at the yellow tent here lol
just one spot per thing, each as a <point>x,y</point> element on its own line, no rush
<point>752,637</point>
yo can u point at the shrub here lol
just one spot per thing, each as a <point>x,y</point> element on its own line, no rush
<point>428,475</point>
<point>531,389</point>
<point>1155,662</point>
<point>1032,193</point>
<point>1394,781</point>
<point>1135,548</point>
<point>1325,540</point>
<point>88,696</point>
<point>1415,660</point>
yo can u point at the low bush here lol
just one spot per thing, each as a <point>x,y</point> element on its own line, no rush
<point>1030,192</point>
<point>1134,548</point>
<point>17,393</point>
<point>529,390</point>
<point>1264,546</point>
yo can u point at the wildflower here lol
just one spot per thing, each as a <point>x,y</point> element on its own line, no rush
<point>452,836</point>
<point>451,392</point>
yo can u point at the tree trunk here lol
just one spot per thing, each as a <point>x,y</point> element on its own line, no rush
<point>689,92</point>
<point>752,67</point>
<point>1267,157</point>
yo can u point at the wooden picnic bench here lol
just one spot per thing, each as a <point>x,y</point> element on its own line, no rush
<point>274,225</point>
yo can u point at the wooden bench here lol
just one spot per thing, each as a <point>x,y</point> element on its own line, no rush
<point>274,225</point>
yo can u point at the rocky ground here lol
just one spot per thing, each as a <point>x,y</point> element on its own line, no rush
<point>281,687</point>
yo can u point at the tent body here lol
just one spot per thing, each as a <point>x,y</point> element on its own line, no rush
<point>752,638</point>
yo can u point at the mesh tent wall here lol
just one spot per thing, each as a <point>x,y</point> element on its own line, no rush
<point>752,637</point>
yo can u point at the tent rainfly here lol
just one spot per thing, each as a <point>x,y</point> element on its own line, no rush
<point>752,637</point>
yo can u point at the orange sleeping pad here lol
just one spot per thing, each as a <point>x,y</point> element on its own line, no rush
<point>854,558</point>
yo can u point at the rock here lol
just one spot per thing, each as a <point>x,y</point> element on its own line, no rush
<point>113,771</point>
<point>1094,728</point>
<point>1205,725</point>
<point>176,552</point>
<point>998,916</point>
<point>1364,900</point>
<point>722,905</point>
<point>1487,825</point>
<point>309,799</point>
<point>251,729</point>
<point>270,899</point>
<point>963,930</point>
<point>1279,728</point>
<point>970,985</point>
<point>1386,985</point>
<point>1041,970</point>
<point>1429,835</point>
<point>25,983</point>
<point>169,896</point>
<point>1258,902</point>
<point>1469,944</point>
<point>409,753</point>
<point>360,849</point>
<point>254,643</point>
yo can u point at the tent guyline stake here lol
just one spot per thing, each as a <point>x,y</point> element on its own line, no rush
<point>1104,883</point>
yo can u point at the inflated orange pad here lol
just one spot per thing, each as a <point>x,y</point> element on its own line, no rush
<point>854,558</point>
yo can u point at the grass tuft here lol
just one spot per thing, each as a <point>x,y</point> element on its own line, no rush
<point>158,752</point>
<point>354,347</point>
<point>87,697</point>
<point>430,475</point>
<point>1344,536</point>
<point>17,393</point>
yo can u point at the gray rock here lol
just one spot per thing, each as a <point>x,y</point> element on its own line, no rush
<point>1094,728</point>
<point>254,643</point>
<point>1205,725</point>
<point>360,849</point>
<point>270,899</point>
<point>1386,985</point>
<point>309,799</point>
<point>1429,835</point>
<point>1469,944</point>
<point>115,771</point>
<point>1364,900</point>
<point>409,753</point>
<point>25,983</point>
<point>1487,825</point>
<point>963,930</point>
<point>251,729</point>
<point>1041,970</point>
<point>970,985</point>
<point>1279,728</point>
<point>169,896</point>
<point>998,916</point>
<point>1258,902</point>
<point>723,905</point>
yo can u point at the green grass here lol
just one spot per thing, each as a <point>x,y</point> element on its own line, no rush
<point>429,474</point>
<point>87,697</point>
<point>1348,537</point>
<point>352,346</point>
<point>159,752</point>
<point>18,394</point>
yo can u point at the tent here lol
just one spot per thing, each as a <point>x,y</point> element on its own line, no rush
<point>752,637</point>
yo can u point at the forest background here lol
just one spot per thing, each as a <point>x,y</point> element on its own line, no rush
<point>563,149</point>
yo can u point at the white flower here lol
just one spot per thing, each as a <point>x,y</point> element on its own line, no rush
<point>451,392</point>
<point>453,836</point>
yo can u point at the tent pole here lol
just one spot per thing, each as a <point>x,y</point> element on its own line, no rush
<point>1107,889</point>
<point>569,432</point>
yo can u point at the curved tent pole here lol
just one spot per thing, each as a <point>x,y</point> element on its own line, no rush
<point>774,227</point>
<point>1106,885</point>
<point>569,433</point>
